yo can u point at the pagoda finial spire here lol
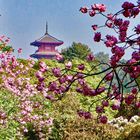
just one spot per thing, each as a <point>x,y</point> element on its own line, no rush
<point>46,28</point>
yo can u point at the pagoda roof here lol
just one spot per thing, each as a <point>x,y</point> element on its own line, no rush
<point>47,40</point>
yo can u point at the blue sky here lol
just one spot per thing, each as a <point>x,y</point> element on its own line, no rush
<point>24,21</point>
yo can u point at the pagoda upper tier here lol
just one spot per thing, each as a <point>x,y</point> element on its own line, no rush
<point>46,46</point>
<point>47,40</point>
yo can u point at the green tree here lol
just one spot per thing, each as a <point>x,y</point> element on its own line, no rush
<point>76,50</point>
<point>102,57</point>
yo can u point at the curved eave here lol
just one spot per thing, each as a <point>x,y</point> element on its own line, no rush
<point>39,55</point>
<point>36,43</point>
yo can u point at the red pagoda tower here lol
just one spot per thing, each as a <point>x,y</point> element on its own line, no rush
<point>46,46</point>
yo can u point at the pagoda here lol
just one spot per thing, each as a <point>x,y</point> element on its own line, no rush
<point>46,46</point>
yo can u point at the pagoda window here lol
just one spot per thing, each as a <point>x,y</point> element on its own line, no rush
<point>53,48</point>
<point>41,49</point>
<point>47,48</point>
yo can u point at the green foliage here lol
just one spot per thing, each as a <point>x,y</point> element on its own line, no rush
<point>31,134</point>
<point>127,111</point>
<point>86,129</point>
<point>76,50</point>
<point>102,57</point>
<point>67,124</point>
<point>8,103</point>
<point>5,48</point>
<point>23,61</point>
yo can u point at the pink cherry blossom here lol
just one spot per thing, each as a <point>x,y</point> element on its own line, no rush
<point>103,119</point>
<point>94,27</point>
<point>20,50</point>
<point>90,57</point>
<point>83,9</point>
<point>99,7</point>
<point>97,37</point>
<point>137,29</point>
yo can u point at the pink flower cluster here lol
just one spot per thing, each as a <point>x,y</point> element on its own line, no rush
<point>97,37</point>
<point>4,40</point>
<point>98,7</point>
<point>3,118</point>
<point>118,53</point>
<point>20,50</point>
<point>137,29</point>
<point>118,44</point>
<point>110,41</point>
<point>95,8</point>
<point>130,10</point>
<point>25,92</point>
<point>86,115</point>
<point>86,90</point>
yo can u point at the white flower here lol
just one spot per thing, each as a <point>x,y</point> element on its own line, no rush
<point>134,118</point>
<point>120,118</point>
<point>116,126</point>
<point>121,128</point>
<point>125,121</point>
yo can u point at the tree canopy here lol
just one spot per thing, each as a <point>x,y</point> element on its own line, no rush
<point>102,57</point>
<point>76,50</point>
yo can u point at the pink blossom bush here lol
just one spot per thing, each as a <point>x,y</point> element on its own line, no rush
<point>29,99</point>
<point>118,44</point>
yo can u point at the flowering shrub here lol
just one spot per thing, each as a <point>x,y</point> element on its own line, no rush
<point>118,45</point>
<point>120,122</point>
<point>27,82</point>
<point>31,112</point>
<point>106,88</point>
